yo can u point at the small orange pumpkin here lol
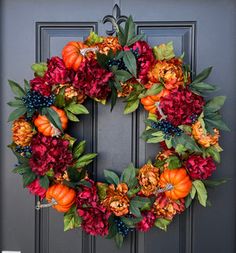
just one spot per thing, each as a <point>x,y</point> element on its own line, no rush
<point>63,195</point>
<point>179,180</point>
<point>45,127</point>
<point>149,102</point>
<point>71,54</point>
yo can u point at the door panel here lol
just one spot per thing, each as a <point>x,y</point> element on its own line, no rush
<point>196,28</point>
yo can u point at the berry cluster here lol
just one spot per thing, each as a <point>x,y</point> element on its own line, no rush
<point>122,228</point>
<point>167,128</point>
<point>34,100</point>
<point>24,151</point>
<point>193,118</point>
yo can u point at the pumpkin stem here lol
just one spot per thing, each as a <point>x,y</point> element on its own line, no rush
<point>40,205</point>
<point>168,187</point>
<point>163,116</point>
<point>84,51</point>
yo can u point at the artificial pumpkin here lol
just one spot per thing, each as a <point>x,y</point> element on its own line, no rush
<point>179,180</point>
<point>72,55</point>
<point>63,195</point>
<point>149,102</point>
<point>45,127</point>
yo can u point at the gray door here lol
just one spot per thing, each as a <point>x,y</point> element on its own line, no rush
<point>35,30</point>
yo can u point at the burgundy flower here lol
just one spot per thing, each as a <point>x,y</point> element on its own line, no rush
<point>145,59</point>
<point>49,152</point>
<point>147,222</point>
<point>92,79</point>
<point>200,167</point>
<point>36,189</point>
<point>56,72</point>
<point>181,105</point>
<point>39,84</point>
<point>94,215</point>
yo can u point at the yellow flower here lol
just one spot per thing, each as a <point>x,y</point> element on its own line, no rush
<point>148,179</point>
<point>116,200</point>
<point>22,132</point>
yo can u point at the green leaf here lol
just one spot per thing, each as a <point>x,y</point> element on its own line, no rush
<point>121,36</point>
<point>129,29</point>
<point>102,60</point>
<point>201,192</point>
<point>202,87</point>
<point>164,51</point>
<point>72,219</point>
<point>130,222</point>
<point>214,153</point>
<point>134,210</point>
<point>188,201</point>
<point>111,177</point>
<point>174,162</point>
<point>130,62</point>
<point>39,68</point>
<point>216,122</point>
<point>138,203</point>
<point>21,169</point>
<point>60,98</point>
<point>112,230</point>
<point>16,89</point>
<point>128,175</point>
<point>214,182</point>
<point>75,174</point>
<point>44,182</point>
<point>180,149</point>
<point>78,149</point>
<point>93,38</point>
<point>28,178</point>
<point>162,223</point>
<point>119,240</point>
<point>16,103</point>
<point>53,117</point>
<point>85,160</point>
<point>158,137</point>
<point>135,39</point>
<point>154,90</point>
<point>84,182</point>
<point>77,109</point>
<point>113,94</point>
<point>26,85</point>
<point>17,113</point>
<point>202,76</point>
<point>102,190</point>
<point>214,104</point>
<point>71,116</point>
<point>131,106</point>
<point>122,75</point>
<point>193,192</point>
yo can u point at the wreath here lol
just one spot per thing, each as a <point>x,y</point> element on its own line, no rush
<point>53,164</point>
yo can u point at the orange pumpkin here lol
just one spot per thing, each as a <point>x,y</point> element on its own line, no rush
<point>149,102</point>
<point>45,127</point>
<point>63,195</point>
<point>71,54</point>
<point>179,180</point>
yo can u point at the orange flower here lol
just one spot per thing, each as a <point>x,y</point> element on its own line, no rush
<point>203,138</point>
<point>148,179</point>
<point>126,89</point>
<point>108,44</point>
<point>170,72</point>
<point>164,207</point>
<point>116,200</point>
<point>22,132</point>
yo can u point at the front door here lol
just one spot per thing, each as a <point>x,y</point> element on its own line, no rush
<point>35,30</point>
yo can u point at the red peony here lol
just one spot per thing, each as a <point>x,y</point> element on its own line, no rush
<point>145,59</point>
<point>200,167</point>
<point>147,222</point>
<point>94,215</point>
<point>39,84</point>
<point>92,79</point>
<point>56,72</point>
<point>181,105</point>
<point>36,189</point>
<point>49,153</point>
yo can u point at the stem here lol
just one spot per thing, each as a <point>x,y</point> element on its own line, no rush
<point>168,187</point>
<point>40,206</point>
<point>84,51</point>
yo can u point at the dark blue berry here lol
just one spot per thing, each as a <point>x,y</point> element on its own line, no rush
<point>24,151</point>
<point>122,228</point>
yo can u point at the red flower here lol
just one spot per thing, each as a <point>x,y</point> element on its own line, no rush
<point>92,79</point>
<point>36,189</point>
<point>147,222</point>
<point>39,84</point>
<point>180,105</point>
<point>199,167</point>
<point>49,152</point>
<point>94,215</point>
<point>145,59</point>
<point>56,72</point>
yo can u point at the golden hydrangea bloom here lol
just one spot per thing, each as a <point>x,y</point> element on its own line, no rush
<point>164,207</point>
<point>22,132</point>
<point>71,92</point>
<point>116,200</point>
<point>203,138</point>
<point>126,90</point>
<point>109,43</point>
<point>170,72</point>
<point>148,178</point>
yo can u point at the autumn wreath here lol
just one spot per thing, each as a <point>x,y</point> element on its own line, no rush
<point>52,163</point>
